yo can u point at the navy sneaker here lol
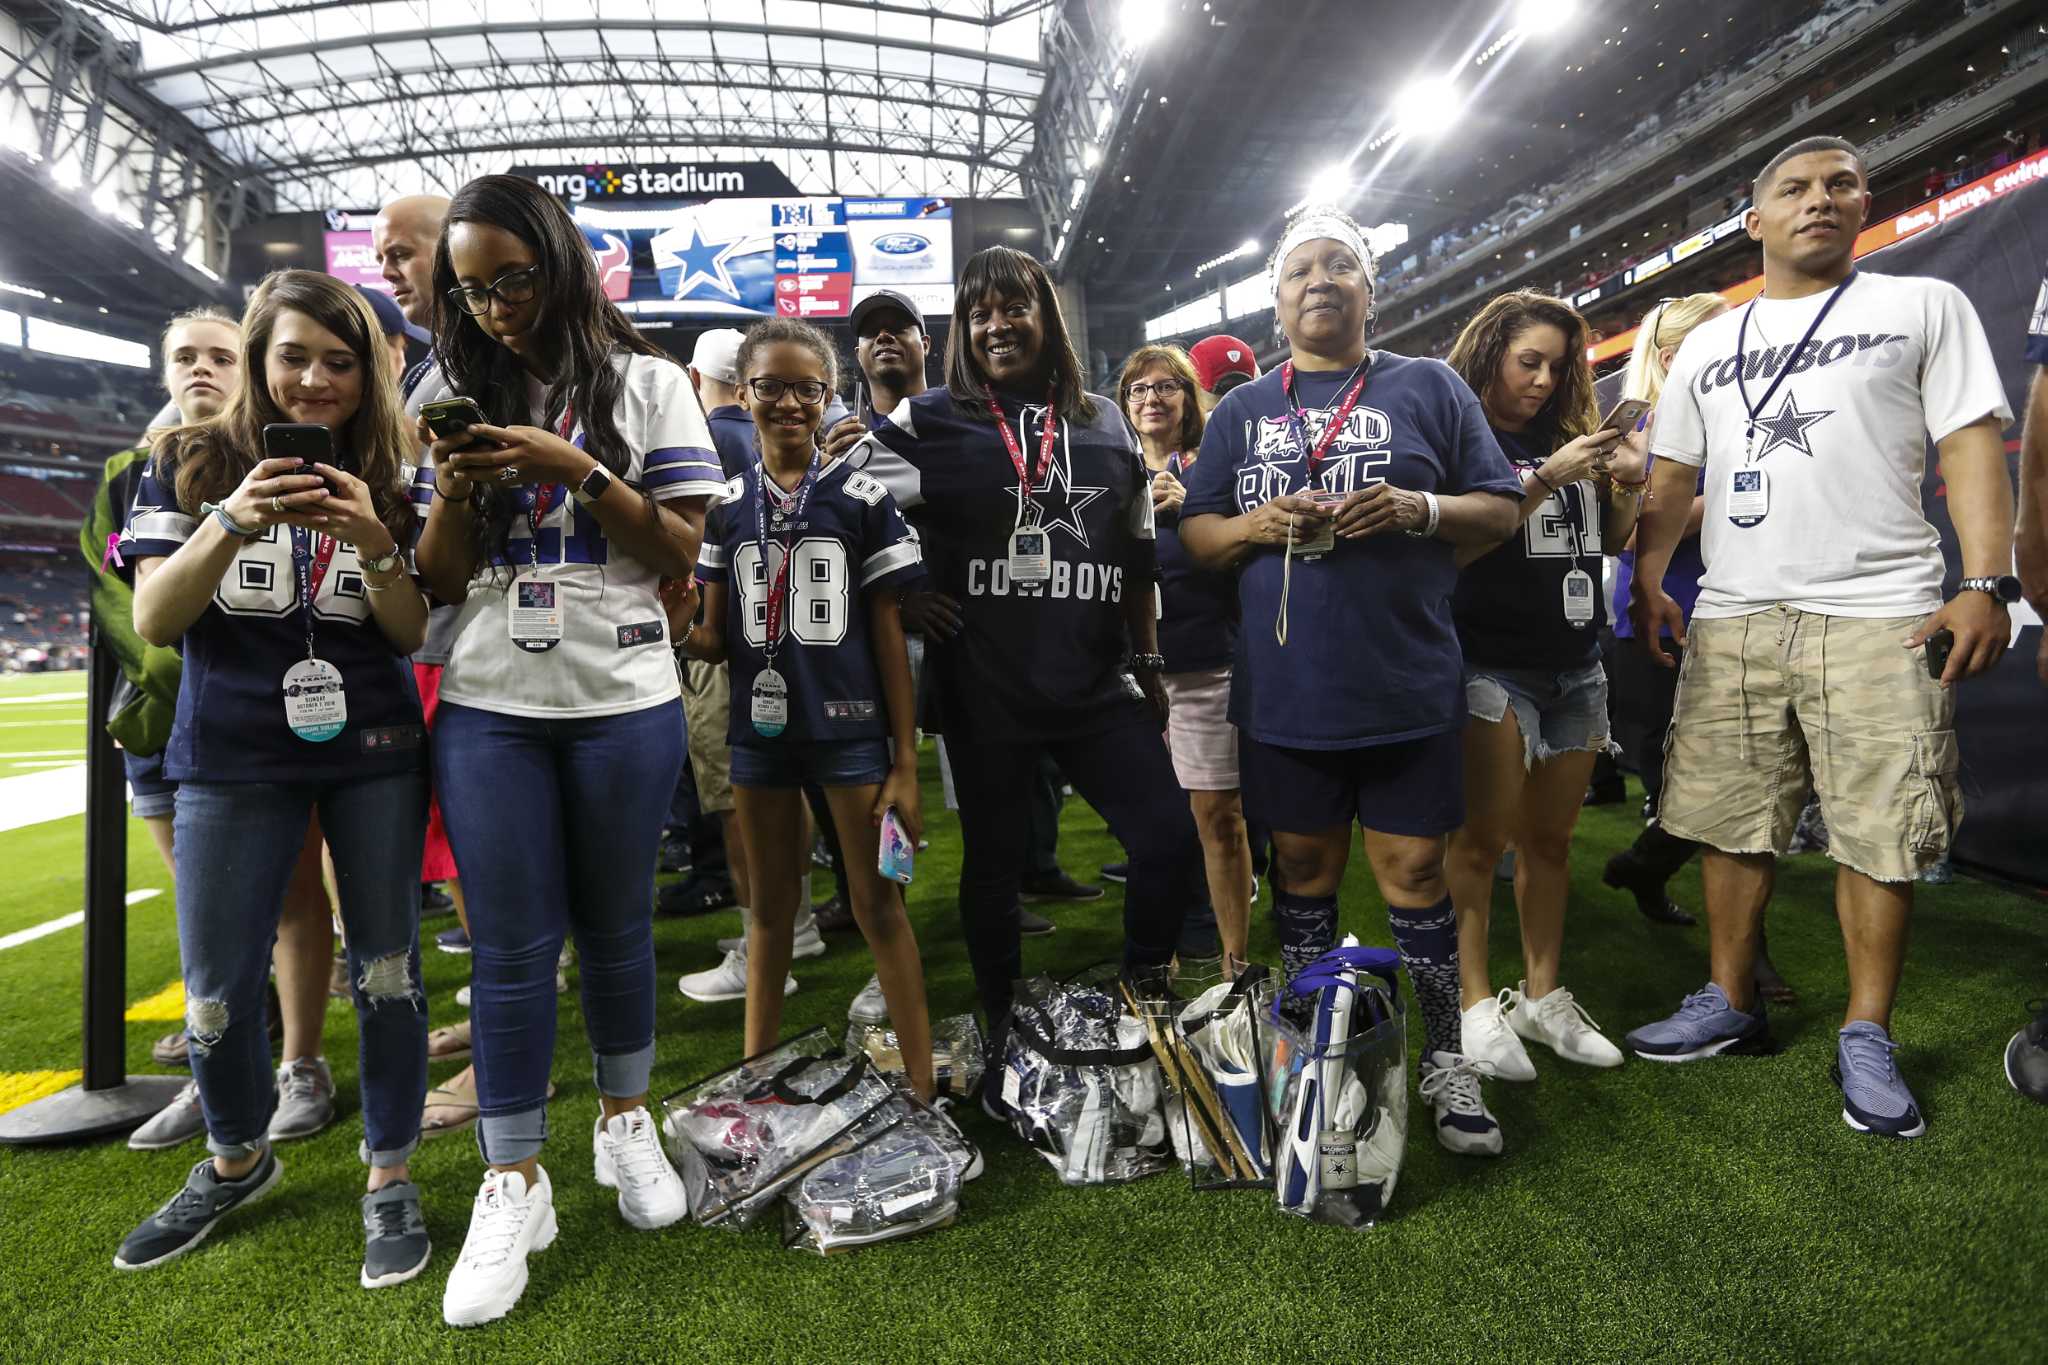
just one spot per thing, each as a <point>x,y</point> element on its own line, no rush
<point>1120,873</point>
<point>192,1212</point>
<point>395,1245</point>
<point>2026,1056</point>
<point>1464,1125</point>
<point>1706,1025</point>
<point>454,940</point>
<point>1874,1096</point>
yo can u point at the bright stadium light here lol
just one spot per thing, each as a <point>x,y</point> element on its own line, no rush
<point>1329,184</point>
<point>1544,16</point>
<point>1427,107</point>
<point>1139,22</point>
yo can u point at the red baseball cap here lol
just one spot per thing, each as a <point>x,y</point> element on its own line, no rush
<point>1218,356</point>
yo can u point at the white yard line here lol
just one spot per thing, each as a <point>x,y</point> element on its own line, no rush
<point>43,699</point>
<point>63,922</point>
<point>32,798</point>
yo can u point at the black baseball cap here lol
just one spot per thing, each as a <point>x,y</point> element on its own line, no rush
<point>885,298</point>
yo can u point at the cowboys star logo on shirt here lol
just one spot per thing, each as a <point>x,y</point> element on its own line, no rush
<point>1060,501</point>
<point>1788,427</point>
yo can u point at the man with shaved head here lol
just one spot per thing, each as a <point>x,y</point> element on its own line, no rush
<point>403,238</point>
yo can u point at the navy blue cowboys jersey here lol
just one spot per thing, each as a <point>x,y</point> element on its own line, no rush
<point>849,541</point>
<point>1371,656</point>
<point>1039,660</point>
<point>1509,606</point>
<point>230,724</point>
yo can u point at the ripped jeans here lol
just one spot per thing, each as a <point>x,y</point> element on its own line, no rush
<point>236,843</point>
<point>1557,713</point>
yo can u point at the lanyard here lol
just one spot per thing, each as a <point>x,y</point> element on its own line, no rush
<point>311,563</point>
<point>1742,339</point>
<point>1297,420</point>
<point>788,507</point>
<point>1176,465</point>
<point>1049,432</point>
<point>543,494</point>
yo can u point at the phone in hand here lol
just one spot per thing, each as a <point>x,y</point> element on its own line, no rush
<point>450,417</point>
<point>1939,646</point>
<point>307,441</point>
<point>895,852</point>
<point>1626,414</point>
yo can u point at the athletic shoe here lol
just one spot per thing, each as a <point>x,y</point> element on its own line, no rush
<point>337,979</point>
<point>1491,1045</point>
<point>173,1125</point>
<point>697,894</point>
<point>193,1211</point>
<point>454,940</point>
<point>726,981</point>
<point>305,1099</point>
<point>1609,793</point>
<point>462,997</point>
<point>507,1222</point>
<point>869,1007</point>
<point>175,1049</point>
<point>1939,873</point>
<point>821,853</point>
<point>2026,1056</point>
<point>626,1156</point>
<point>435,901</point>
<point>1624,873</point>
<point>1706,1025</point>
<point>1119,873</point>
<point>835,916</point>
<point>1031,924</point>
<point>808,942</point>
<point>1561,1024</point>
<point>395,1245</point>
<point>1055,886</point>
<point>1874,1096</point>
<point>1450,1084</point>
<point>944,1106</point>
<point>675,851</point>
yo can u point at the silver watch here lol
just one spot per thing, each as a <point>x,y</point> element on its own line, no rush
<point>384,565</point>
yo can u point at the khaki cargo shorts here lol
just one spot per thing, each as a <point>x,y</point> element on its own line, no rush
<point>1782,702</point>
<point>707,706</point>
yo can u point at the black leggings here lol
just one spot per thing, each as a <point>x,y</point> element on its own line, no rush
<point>1125,773</point>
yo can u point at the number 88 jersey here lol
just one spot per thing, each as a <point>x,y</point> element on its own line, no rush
<point>850,540</point>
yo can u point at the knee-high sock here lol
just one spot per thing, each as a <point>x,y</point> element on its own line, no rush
<point>1428,940</point>
<point>1307,927</point>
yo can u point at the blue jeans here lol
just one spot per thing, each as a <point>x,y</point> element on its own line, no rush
<point>555,824</point>
<point>237,843</point>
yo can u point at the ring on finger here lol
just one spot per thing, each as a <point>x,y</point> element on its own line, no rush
<point>508,474</point>
<point>277,505</point>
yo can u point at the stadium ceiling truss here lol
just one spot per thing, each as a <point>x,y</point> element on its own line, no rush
<point>329,104</point>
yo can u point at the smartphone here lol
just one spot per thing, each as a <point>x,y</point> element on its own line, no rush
<point>1939,646</point>
<point>308,441</point>
<point>895,852</point>
<point>448,417</point>
<point>1625,415</point>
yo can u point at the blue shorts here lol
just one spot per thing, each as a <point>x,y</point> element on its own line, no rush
<point>1557,713</point>
<point>1413,786</point>
<point>154,795</point>
<point>826,762</point>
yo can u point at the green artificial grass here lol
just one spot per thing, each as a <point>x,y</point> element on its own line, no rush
<point>1719,1210</point>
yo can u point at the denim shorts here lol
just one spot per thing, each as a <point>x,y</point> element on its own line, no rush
<point>151,793</point>
<point>827,762</point>
<point>1557,713</point>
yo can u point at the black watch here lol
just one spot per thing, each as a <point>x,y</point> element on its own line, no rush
<point>2004,588</point>
<point>1149,663</point>
<point>594,485</point>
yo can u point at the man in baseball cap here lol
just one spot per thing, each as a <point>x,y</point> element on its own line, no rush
<point>1222,362</point>
<point>715,372</point>
<point>397,331</point>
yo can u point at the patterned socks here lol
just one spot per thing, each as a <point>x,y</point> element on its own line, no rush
<point>1428,940</point>
<point>1307,926</point>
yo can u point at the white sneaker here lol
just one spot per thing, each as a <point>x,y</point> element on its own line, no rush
<point>462,998</point>
<point>627,1157</point>
<point>508,1221</point>
<point>1450,1083</point>
<point>726,981</point>
<point>1491,1045</point>
<point>1561,1024</point>
<point>807,943</point>
<point>869,1007</point>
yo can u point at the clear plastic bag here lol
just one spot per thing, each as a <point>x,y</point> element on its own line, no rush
<point>957,1052</point>
<point>903,1180</point>
<point>1221,1056</point>
<point>1082,1084</point>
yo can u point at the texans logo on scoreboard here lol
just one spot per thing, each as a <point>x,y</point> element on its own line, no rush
<point>614,264</point>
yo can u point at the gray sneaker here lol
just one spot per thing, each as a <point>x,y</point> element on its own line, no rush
<point>305,1099</point>
<point>185,1221</point>
<point>1874,1096</point>
<point>176,1123</point>
<point>869,1007</point>
<point>395,1245</point>
<point>1706,1025</point>
<point>2026,1056</point>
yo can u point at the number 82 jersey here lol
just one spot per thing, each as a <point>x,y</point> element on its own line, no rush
<point>849,541</point>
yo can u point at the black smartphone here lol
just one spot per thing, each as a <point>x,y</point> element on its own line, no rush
<point>447,417</point>
<point>308,441</point>
<point>1939,646</point>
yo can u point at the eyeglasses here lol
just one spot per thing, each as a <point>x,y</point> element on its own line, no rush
<point>1165,388</point>
<point>809,392</point>
<point>514,286</point>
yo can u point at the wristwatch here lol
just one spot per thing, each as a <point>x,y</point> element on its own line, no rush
<point>384,565</point>
<point>2003,588</point>
<point>594,485</point>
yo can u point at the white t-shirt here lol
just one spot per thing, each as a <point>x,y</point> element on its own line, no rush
<point>1899,361</point>
<point>614,655</point>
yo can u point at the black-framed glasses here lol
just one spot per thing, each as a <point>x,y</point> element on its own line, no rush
<point>1165,388</point>
<point>514,286</point>
<point>768,389</point>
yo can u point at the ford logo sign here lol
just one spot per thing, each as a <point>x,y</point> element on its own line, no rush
<point>902,244</point>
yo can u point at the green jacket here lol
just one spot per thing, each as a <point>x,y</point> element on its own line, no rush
<point>141,712</point>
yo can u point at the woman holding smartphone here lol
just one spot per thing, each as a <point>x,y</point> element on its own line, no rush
<point>560,730</point>
<point>801,564</point>
<point>286,583</point>
<point>1529,614</point>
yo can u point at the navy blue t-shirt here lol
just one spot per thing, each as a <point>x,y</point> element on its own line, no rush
<point>230,724</point>
<point>1032,661</point>
<point>1509,605</point>
<point>848,541</point>
<point>732,432</point>
<point>1371,655</point>
<point>1197,607</point>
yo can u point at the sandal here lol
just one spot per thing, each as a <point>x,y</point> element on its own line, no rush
<point>448,1044</point>
<point>450,1108</point>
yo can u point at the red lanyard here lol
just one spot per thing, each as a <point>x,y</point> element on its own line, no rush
<point>1297,422</point>
<point>790,506</point>
<point>312,569</point>
<point>1026,482</point>
<point>543,494</point>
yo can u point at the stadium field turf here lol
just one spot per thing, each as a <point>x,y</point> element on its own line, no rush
<point>1720,1210</point>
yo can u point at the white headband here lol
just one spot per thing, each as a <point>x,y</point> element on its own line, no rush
<point>1314,225</point>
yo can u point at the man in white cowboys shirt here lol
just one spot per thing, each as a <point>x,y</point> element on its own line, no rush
<point>1821,654</point>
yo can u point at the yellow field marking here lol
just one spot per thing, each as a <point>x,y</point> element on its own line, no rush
<point>166,1006</point>
<point>23,1087</point>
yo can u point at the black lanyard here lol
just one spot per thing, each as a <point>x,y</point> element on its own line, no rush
<point>1750,411</point>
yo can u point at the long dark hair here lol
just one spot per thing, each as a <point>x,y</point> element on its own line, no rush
<point>208,460</point>
<point>582,329</point>
<point>1572,410</point>
<point>1012,274</point>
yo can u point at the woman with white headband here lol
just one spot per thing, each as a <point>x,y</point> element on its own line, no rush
<point>1342,484</point>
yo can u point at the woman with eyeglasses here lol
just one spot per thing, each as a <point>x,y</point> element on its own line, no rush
<point>1197,637</point>
<point>560,730</point>
<point>801,564</point>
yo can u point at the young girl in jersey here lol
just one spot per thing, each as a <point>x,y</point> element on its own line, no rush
<point>287,587</point>
<point>798,565</point>
<point>560,730</point>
